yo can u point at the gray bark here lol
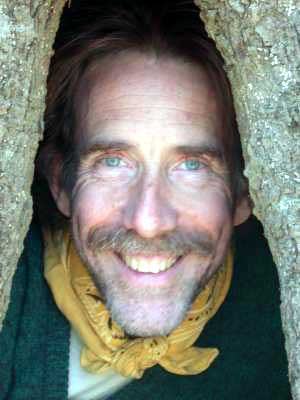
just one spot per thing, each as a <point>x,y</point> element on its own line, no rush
<point>260,42</point>
<point>27,31</point>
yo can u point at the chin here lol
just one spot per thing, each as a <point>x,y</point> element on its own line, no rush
<point>143,315</point>
<point>148,304</point>
<point>159,323</point>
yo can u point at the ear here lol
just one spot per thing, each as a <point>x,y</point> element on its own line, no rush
<point>243,209</point>
<point>59,194</point>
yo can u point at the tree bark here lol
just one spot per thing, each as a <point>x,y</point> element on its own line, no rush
<point>259,41</point>
<point>260,44</point>
<point>27,31</point>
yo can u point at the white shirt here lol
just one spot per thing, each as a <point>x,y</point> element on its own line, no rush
<point>86,386</point>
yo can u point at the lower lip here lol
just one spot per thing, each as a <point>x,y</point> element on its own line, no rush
<point>147,278</point>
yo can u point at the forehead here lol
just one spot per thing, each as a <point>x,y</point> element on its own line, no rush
<point>133,91</point>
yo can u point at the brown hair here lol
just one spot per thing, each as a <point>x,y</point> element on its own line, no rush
<point>171,29</point>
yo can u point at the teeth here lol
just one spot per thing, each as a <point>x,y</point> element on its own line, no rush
<point>149,264</point>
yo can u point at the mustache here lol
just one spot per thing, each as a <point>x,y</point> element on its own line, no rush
<point>122,240</point>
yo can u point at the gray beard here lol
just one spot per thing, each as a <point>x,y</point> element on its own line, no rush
<point>137,318</point>
<point>144,312</point>
<point>133,309</point>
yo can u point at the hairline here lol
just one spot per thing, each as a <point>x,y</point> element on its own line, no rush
<point>87,79</point>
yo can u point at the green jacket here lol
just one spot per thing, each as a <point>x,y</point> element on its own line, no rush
<point>252,364</point>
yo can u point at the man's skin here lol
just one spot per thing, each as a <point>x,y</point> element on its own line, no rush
<point>152,191</point>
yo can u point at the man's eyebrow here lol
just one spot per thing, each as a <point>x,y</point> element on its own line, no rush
<point>211,151</point>
<point>200,150</point>
<point>104,146</point>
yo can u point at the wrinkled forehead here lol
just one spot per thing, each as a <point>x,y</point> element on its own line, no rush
<point>133,87</point>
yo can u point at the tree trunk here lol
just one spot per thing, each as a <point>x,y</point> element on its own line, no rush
<point>27,31</point>
<point>260,44</point>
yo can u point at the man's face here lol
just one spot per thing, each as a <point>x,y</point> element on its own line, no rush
<point>151,210</point>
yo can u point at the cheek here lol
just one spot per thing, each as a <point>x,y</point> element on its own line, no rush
<point>214,213</point>
<point>94,204</point>
<point>215,207</point>
<point>208,209</point>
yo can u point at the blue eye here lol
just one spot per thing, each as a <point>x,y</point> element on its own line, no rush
<point>112,161</point>
<point>192,164</point>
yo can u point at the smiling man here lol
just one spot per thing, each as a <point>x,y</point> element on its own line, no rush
<point>152,208</point>
<point>142,158</point>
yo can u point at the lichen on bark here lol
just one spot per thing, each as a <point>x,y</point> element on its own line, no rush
<point>27,31</point>
<point>260,42</point>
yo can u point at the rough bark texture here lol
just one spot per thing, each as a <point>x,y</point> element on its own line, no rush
<point>27,31</point>
<point>260,42</point>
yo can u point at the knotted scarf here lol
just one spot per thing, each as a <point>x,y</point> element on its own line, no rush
<point>105,344</point>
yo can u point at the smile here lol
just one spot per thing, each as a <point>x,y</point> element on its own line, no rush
<point>149,264</point>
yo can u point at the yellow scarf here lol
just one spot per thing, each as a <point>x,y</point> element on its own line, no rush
<point>106,345</point>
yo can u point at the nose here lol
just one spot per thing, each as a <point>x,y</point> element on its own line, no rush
<point>149,212</point>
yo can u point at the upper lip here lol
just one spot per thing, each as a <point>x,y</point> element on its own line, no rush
<point>149,256</point>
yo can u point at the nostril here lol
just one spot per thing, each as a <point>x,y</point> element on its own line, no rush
<point>148,212</point>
